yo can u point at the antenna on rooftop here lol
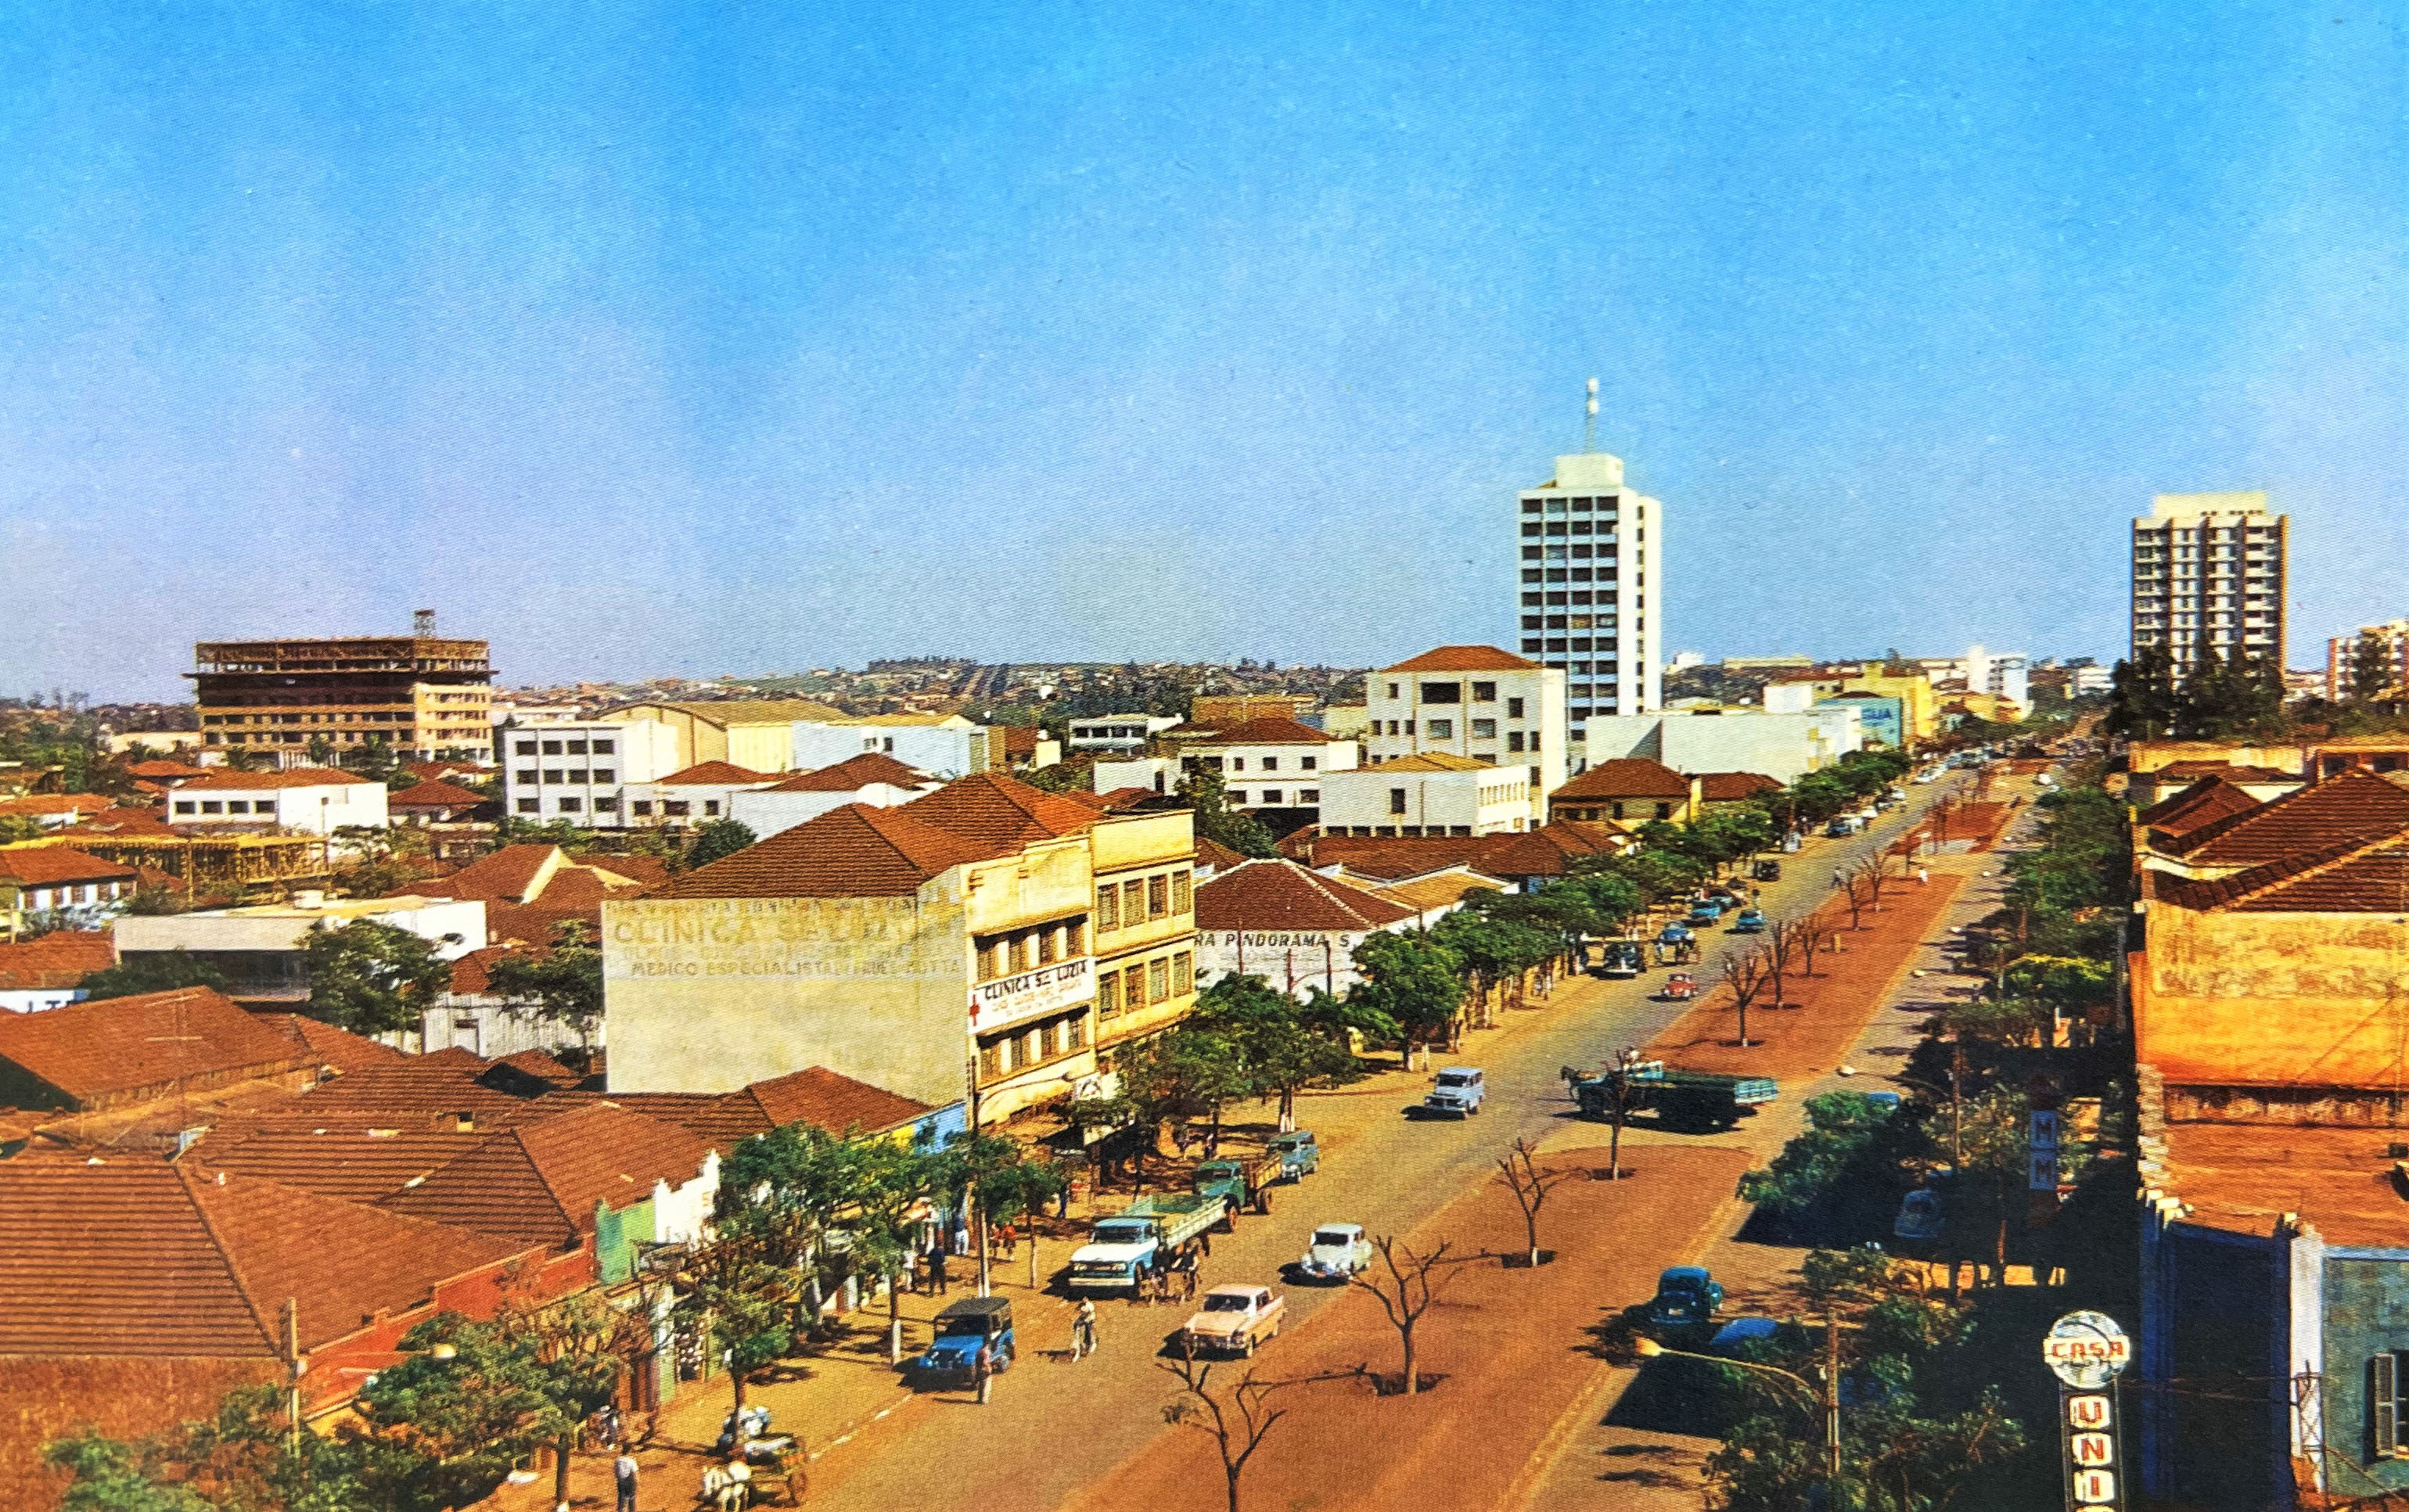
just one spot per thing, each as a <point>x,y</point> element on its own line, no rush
<point>423,623</point>
<point>1589,425</point>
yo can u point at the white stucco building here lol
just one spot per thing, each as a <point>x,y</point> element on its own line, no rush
<point>316,801</point>
<point>1265,763</point>
<point>942,745</point>
<point>1783,746</point>
<point>873,778</point>
<point>1478,702</point>
<point>1590,599</point>
<point>258,948</point>
<point>1097,734</point>
<point>1433,793</point>
<point>579,771</point>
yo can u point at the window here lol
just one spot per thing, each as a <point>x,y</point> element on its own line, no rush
<point>1047,941</point>
<point>552,775</point>
<point>1074,1033</point>
<point>1157,897</point>
<point>1442,693</point>
<point>644,808</point>
<point>1309,795</point>
<point>212,806</point>
<point>710,806</point>
<point>1396,800</point>
<point>2385,1417</point>
<point>525,748</point>
<point>1513,708</point>
<point>238,806</point>
<point>577,774</point>
<point>570,805</point>
<point>1183,973</point>
<point>1272,797</point>
<point>1442,729</point>
<point>1017,956</point>
<point>1108,994</point>
<point>1484,693</point>
<point>603,748</point>
<point>674,808</point>
<point>1182,898</point>
<point>991,1059</point>
<point>1048,1038</point>
<point>987,960</point>
<point>1134,900</point>
<point>1514,739</point>
<point>184,806</point>
<point>604,774</point>
<point>1074,938</point>
<point>1158,980</point>
<point>530,805</point>
<point>1393,693</point>
<point>1108,909</point>
<point>1312,763</point>
<point>552,748</point>
<point>1484,729</point>
<point>1237,763</point>
<point>606,805</point>
<point>576,748</point>
<point>1271,763</point>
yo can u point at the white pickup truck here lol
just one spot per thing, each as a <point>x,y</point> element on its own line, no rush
<point>1233,1320</point>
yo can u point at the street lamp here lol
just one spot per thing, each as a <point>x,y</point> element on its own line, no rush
<point>1825,1397</point>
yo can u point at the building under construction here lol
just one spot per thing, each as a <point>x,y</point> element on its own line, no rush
<point>426,698</point>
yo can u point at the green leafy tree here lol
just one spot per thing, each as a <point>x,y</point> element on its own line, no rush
<point>464,1404</point>
<point>563,986</point>
<point>1495,945</point>
<point>1413,981</point>
<point>1841,1127</point>
<point>161,972</point>
<point>16,828</point>
<point>1281,1049</point>
<point>1218,822</point>
<point>243,1458</point>
<point>717,840</point>
<point>372,978</point>
<point>742,1290</point>
<point>789,1191</point>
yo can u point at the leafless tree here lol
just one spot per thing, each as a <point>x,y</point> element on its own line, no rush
<point>1813,930</point>
<point>1530,1186</point>
<point>1238,1419</point>
<point>1782,946</point>
<point>1873,871</point>
<point>1858,893</point>
<point>1410,1288</point>
<point>1746,972</point>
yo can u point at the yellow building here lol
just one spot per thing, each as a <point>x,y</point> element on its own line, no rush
<point>1921,708</point>
<point>955,943</point>
<point>757,734</point>
<point>425,697</point>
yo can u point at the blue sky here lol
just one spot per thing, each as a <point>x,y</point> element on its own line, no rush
<point>738,337</point>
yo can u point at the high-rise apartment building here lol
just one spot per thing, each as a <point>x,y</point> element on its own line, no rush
<point>425,698</point>
<point>2342,658</point>
<point>1589,563</point>
<point>2209,575</point>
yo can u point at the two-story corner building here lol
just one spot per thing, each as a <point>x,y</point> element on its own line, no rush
<point>1629,792</point>
<point>699,794</point>
<point>1098,735</point>
<point>938,966</point>
<point>947,745</point>
<point>38,879</point>
<point>312,800</point>
<point>1293,928</point>
<point>1478,702</point>
<point>580,770</point>
<point>1263,764</point>
<point>1430,793</point>
<point>1143,866</point>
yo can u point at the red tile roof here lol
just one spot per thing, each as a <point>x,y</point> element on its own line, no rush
<point>2192,770</point>
<point>1464,659</point>
<point>2352,805</point>
<point>1734,787</point>
<point>45,866</point>
<point>1282,894</point>
<point>132,1255</point>
<point>2347,877</point>
<point>854,773</point>
<point>327,1046</point>
<point>714,774</point>
<point>121,1046</point>
<point>857,851</point>
<point>825,1100</point>
<point>252,781</point>
<point>157,769</point>
<point>1251,732</point>
<point>540,1067</point>
<point>1625,777</point>
<point>62,958</point>
<point>40,805</point>
<point>435,794</point>
<point>538,1182</point>
<point>651,870</point>
<point>2203,802</point>
<point>1545,852</point>
<point>1000,812</point>
<point>1214,853</point>
<point>508,875</point>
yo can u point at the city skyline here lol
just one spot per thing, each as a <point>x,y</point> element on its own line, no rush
<point>676,342</point>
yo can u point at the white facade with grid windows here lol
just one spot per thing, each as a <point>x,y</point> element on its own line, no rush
<point>2209,573</point>
<point>1590,591</point>
<point>580,772</point>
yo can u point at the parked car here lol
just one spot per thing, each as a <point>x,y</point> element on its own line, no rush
<point>1751,921</point>
<point>1338,1251</point>
<point>1233,1320</point>
<point>1732,1339</point>
<point>1623,959</point>
<point>1298,1153</point>
<point>962,1329</point>
<point>1767,871</point>
<point>1680,986</point>
<point>1686,1296</point>
<point>1458,1091</point>
<point>1704,915</point>
<point>1919,1216</point>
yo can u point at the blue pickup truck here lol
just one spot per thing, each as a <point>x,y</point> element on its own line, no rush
<point>1298,1153</point>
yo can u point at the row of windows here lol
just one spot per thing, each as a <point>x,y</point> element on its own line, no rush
<point>1561,528</point>
<point>1571,622</point>
<point>1577,598</point>
<point>1035,1044</point>
<point>1144,985</point>
<point>1577,574</point>
<point>232,805</point>
<point>1391,832</point>
<point>402,716</point>
<point>1135,901</point>
<point>1025,950</point>
<point>1576,552</point>
<point>67,894</point>
<point>1559,644</point>
<point>563,748</point>
<point>642,808</point>
<point>1453,693</point>
<point>1573,506</point>
<point>1269,763</point>
<point>1272,797</point>
<point>527,775</point>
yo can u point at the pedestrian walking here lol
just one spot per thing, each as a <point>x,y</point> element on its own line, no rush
<point>623,1475</point>
<point>1083,1329</point>
<point>1923,876</point>
<point>937,1282</point>
<point>1836,879</point>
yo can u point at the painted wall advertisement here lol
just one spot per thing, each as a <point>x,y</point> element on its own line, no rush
<point>1031,994</point>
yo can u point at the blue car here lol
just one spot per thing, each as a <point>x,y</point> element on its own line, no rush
<point>1686,1297</point>
<point>963,1329</point>
<point>1751,921</point>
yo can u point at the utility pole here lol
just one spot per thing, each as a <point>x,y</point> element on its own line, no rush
<point>293,1376</point>
<point>971,1199</point>
<point>1831,1395</point>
